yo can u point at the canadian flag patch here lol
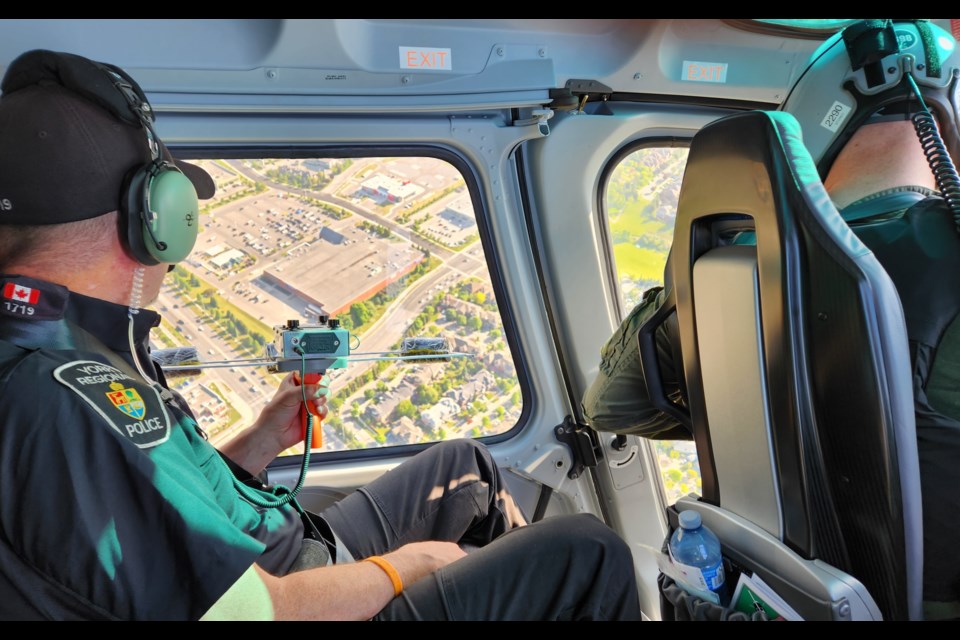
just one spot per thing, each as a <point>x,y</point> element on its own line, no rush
<point>21,294</point>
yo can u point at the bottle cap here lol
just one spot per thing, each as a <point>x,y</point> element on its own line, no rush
<point>690,519</point>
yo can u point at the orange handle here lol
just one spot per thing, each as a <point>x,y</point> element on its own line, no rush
<point>316,442</point>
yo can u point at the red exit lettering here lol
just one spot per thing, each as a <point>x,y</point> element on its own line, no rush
<point>705,72</point>
<point>427,59</point>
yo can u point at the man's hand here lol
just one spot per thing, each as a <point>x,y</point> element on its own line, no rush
<point>417,559</point>
<point>280,419</point>
<point>277,428</point>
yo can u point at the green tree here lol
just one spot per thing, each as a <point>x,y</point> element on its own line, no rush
<point>407,409</point>
<point>360,312</point>
<point>426,394</point>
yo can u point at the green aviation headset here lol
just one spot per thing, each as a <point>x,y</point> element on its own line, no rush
<point>158,202</point>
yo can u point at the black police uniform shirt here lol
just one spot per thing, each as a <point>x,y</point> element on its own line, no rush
<point>113,503</point>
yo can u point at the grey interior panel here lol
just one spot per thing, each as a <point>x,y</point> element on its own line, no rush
<point>727,310</point>
<point>816,590</point>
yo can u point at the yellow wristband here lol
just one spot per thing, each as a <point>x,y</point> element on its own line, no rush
<point>391,572</point>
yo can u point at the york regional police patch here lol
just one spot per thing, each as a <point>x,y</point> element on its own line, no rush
<point>133,408</point>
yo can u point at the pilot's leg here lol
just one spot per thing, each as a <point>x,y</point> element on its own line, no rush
<point>452,491</point>
<point>570,567</point>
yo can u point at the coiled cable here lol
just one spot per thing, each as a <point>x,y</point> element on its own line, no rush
<point>944,171</point>
<point>283,495</point>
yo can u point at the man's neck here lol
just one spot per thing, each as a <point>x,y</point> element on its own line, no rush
<point>878,157</point>
<point>108,277</point>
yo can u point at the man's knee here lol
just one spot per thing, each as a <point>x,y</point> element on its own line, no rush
<point>461,446</point>
<point>465,455</point>
<point>586,536</point>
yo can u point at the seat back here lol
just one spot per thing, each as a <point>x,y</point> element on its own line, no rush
<point>797,375</point>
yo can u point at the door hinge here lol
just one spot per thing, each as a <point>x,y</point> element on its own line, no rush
<point>539,118</point>
<point>583,446</point>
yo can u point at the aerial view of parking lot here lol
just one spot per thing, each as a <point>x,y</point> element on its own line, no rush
<point>389,247</point>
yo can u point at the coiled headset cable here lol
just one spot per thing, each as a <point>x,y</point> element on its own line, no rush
<point>283,495</point>
<point>944,171</point>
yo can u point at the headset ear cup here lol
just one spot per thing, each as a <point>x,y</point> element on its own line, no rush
<point>131,215</point>
<point>175,215</point>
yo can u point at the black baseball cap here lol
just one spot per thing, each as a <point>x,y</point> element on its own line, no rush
<point>66,142</point>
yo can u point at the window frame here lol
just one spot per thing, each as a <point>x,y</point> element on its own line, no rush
<point>604,182</point>
<point>471,179</point>
<point>652,142</point>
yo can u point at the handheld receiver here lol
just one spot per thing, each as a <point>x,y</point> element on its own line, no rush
<point>311,350</point>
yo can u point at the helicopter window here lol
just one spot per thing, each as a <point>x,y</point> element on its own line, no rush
<point>641,206</point>
<point>389,247</point>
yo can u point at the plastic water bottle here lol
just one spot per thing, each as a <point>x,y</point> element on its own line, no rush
<point>696,554</point>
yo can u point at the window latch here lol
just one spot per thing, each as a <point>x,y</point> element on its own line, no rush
<point>585,450</point>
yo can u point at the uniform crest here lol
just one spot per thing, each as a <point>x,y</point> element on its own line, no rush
<point>127,400</point>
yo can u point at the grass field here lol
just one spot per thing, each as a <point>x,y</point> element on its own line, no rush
<point>634,219</point>
<point>637,228</point>
<point>637,263</point>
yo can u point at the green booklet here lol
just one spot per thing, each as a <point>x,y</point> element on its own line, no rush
<point>753,594</point>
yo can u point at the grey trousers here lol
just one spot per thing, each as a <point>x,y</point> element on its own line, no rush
<point>570,567</point>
